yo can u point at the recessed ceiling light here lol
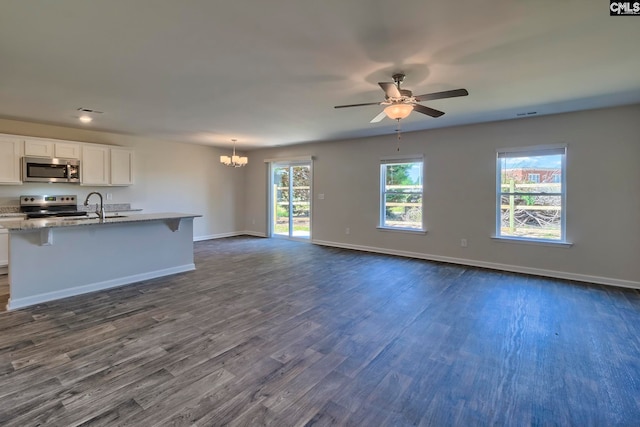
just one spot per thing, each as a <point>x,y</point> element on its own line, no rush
<point>86,114</point>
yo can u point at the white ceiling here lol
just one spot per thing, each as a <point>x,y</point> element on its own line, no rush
<point>268,72</point>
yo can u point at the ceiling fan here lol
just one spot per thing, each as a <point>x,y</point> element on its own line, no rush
<point>401,102</point>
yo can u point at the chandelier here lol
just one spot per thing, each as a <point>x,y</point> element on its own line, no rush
<point>234,161</point>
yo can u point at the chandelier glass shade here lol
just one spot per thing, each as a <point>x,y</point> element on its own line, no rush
<point>398,111</point>
<point>234,161</point>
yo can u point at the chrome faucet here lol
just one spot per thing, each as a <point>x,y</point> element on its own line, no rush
<point>100,209</point>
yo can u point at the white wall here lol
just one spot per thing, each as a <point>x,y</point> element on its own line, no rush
<point>603,190</point>
<point>603,194</point>
<point>169,177</point>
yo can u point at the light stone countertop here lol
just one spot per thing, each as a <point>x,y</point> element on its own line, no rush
<point>91,220</point>
<point>16,215</point>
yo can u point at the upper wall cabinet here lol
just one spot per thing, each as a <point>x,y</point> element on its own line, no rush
<point>121,166</point>
<point>66,150</point>
<point>94,165</point>
<point>105,165</point>
<point>100,164</point>
<point>36,147</point>
<point>10,156</point>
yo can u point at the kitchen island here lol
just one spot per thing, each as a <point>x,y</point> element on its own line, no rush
<point>57,258</point>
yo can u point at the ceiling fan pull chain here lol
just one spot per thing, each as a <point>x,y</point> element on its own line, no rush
<point>399,133</point>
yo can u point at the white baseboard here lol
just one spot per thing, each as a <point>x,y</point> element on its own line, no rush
<point>229,234</point>
<point>218,236</point>
<point>16,303</point>
<point>491,265</point>
<point>254,233</point>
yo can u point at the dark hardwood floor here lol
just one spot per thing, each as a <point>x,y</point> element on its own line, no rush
<point>281,333</point>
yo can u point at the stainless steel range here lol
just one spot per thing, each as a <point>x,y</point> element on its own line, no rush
<point>50,206</point>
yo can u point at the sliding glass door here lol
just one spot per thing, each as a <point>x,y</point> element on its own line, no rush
<point>291,199</point>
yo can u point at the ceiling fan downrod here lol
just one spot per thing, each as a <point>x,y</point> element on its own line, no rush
<point>398,78</point>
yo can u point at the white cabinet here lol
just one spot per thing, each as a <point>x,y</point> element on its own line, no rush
<point>4,248</point>
<point>100,164</point>
<point>121,166</point>
<point>4,244</point>
<point>105,165</point>
<point>94,165</point>
<point>37,147</point>
<point>66,150</point>
<point>10,158</point>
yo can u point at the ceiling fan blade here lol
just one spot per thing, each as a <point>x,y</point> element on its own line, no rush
<point>428,111</point>
<point>379,117</point>
<point>357,105</point>
<point>390,89</point>
<point>441,95</point>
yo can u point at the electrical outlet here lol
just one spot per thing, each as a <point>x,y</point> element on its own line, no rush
<point>347,231</point>
<point>321,196</point>
<point>109,196</point>
<point>463,243</point>
<point>253,221</point>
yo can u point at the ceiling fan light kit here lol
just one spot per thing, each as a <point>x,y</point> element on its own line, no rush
<point>399,103</point>
<point>398,111</point>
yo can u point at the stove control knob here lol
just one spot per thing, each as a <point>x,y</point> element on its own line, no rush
<point>32,199</point>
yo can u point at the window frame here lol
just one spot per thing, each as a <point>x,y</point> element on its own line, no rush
<point>382,191</point>
<point>541,150</point>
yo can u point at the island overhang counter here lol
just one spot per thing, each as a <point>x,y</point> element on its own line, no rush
<point>57,258</point>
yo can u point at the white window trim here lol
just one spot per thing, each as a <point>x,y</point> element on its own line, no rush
<point>563,220</point>
<point>399,159</point>
<point>284,162</point>
<point>403,230</point>
<point>531,148</point>
<point>530,241</point>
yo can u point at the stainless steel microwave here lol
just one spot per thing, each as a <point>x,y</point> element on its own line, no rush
<point>38,169</point>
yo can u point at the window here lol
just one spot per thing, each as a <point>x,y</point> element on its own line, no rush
<point>531,194</point>
<point>401,194</point>
<point>534,177</point>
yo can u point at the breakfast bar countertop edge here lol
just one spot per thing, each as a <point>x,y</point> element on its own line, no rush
<point>43,223</point>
